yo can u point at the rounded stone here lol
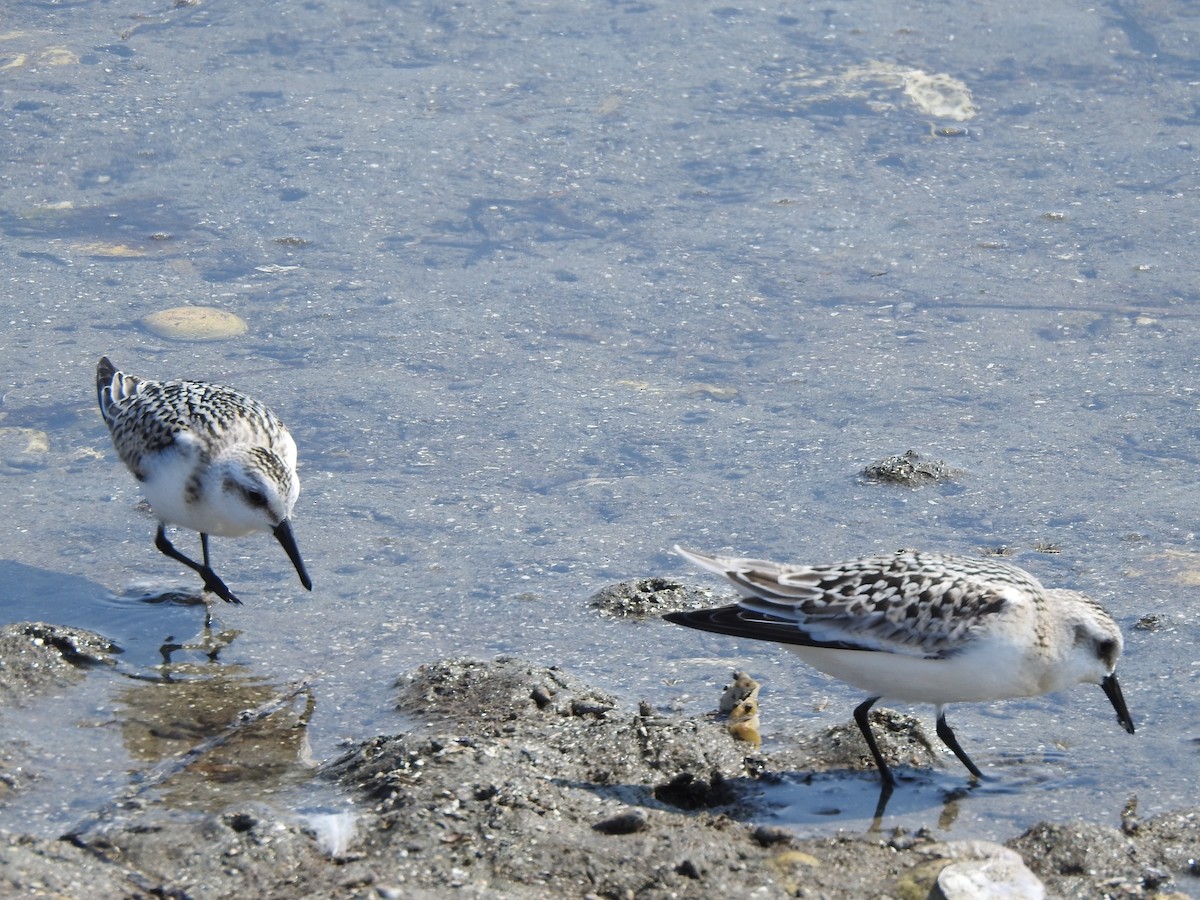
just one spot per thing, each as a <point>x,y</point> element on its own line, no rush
<point>194,323</point>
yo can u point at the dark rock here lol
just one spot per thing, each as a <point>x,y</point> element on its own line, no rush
<point>687,791</point>
<point>909,469</point>
<point>642,598</point>
<point>768,836</point>
<point>628,822</point>
<point>688,869</point>
<point>38,657</point>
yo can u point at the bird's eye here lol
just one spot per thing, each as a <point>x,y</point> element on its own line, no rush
<point>1107,650</point>
<point>256,498</point>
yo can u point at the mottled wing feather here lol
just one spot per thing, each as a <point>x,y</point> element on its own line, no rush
<point>926,604</point>
<point>146,417</point>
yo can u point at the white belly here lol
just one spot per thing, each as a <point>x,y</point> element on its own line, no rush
<point>985,674</point>
<point>166,491</point>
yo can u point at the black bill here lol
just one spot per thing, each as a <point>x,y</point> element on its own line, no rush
<point>1112,690</point>
<point>283,534</point>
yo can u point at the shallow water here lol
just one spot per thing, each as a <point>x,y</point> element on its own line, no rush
<point>542,290</point>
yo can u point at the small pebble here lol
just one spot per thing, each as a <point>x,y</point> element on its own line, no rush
<point>194,323</point>
<point>628,822</point>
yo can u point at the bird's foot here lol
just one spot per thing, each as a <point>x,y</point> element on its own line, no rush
<point>215,585</point>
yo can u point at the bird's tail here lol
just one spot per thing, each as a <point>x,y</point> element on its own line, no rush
<point>112,386</point>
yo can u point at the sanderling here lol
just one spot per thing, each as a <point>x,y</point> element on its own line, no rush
<point>921,627</point>
<point>209,458</point>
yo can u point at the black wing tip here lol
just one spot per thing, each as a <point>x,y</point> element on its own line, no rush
<point>736,620</point>
<point>703,619</point>
<point>105,371</point>
<point>728,620</point>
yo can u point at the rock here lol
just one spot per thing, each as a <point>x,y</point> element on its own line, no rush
<point>689,791</point>
<point>983,870</point>
<point>909,469</point>
<point>194,323</point>
<point>793,868</point>
<point>767,835</point>
<point>627,822</point>
<point>1062,854</point>
<point>36,657</point>
<point>641,598</point>
<point>901,739</point>
<point>739,704</point>
<point>37,867</point>
<point>24,448</point>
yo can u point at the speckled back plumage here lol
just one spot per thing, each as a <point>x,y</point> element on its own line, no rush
<point>146,417</point>
<point>931,604</point>
<point>910,598</point>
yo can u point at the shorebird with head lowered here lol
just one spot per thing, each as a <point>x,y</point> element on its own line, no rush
<point>208,457</point>
<point>922,628</point>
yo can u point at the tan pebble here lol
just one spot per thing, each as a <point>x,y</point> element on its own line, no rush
<point>791,865</point>
<point>194,323</point>
<point>939,95</point>
<point>610,105</point>
<point>715,392</point>
<point>46,210</point>
<point>100,248</point>
<point>919,881</point>
<point>742,688</point>
<point>796,858</point>
<point>59,56</point>
<point>23,448</point>
<point>747,731</point>
<point>744,710</point>
<point>30,440</point>
<point>740,703</point>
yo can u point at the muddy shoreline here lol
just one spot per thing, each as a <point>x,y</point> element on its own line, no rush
<point>522,781</point>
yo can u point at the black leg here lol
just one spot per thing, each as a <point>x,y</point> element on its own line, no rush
<point>885,794</point>
<point>860,716</point>
<point>211,581</point>
<point>948,738</point>
<point>207,605</point>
